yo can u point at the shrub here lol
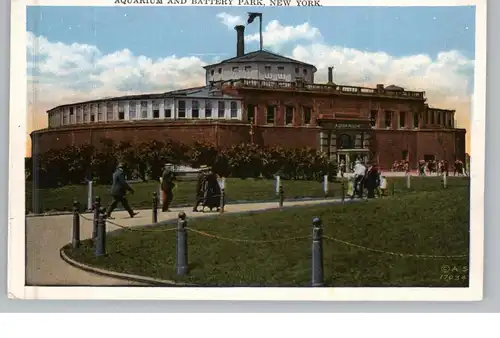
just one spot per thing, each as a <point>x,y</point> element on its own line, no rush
<point>75,164</point>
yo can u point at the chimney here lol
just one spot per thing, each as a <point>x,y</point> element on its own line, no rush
<point>330,74</point>
<point>380,87</point>
<point>240,40</point>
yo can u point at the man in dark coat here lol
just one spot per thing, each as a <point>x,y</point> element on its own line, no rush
<point>201,187</point>
<point>119,189</point>
<point>167,186</point>
<point>372,181</point>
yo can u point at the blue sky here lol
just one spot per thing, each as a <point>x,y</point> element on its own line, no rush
<point>161,31</point>
<point>82,53</point>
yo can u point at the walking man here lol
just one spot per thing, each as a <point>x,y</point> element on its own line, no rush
<point>167,186</point>
<point>118,191</point>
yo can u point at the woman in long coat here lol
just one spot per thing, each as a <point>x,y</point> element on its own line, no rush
<point>212,193</point>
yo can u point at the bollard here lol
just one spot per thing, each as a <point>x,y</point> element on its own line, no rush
<point>89,195</point>
<point>100,243</point>
<point>182,249</point>
<point>445,178</point>
<point>76,225</point>
<point>97,207</point>
<point>325,185</point>
<point>155,208</point>
<point>222,200</point>
<point>281,195</point>
<point>342,191</point>
<point>317,253</point>
<point>408,181</point>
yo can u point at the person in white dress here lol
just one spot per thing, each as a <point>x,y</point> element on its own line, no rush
<point>359,175</point>
<point>383,185</point>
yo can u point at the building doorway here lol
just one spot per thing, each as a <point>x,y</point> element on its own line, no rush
<point>350,156</point>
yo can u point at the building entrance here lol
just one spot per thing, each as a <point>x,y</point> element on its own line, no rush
<point>349,157</point>
<point>346,145</point>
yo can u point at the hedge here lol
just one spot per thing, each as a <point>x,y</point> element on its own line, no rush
<point>76,164</point>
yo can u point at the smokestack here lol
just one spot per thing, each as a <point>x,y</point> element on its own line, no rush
<point>240,40</point>
<point>330,74</point>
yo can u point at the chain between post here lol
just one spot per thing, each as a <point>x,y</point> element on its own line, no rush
<point>394,253</point>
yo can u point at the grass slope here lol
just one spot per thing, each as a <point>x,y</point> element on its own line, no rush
<point>61,199</point>
<point>426,222</point>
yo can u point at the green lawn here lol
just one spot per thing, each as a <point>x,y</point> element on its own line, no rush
<point>423,222</point>
<point>61,199</point>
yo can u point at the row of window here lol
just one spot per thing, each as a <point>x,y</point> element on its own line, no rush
<point>97,112</point>
<point>271,114</point>
<point>429,118</point>
<point>267,70</point>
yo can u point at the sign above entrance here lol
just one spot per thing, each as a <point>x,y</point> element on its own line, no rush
<point>347,125</point>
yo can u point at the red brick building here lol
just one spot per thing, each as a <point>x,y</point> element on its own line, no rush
<point>268,99</point>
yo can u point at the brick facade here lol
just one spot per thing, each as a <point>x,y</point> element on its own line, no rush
<point>423,132</point>
<point>388,145</point>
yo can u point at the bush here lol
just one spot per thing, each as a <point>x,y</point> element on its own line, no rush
<point>75,164</point>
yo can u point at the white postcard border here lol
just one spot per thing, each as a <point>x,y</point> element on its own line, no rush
<point>17,142</point>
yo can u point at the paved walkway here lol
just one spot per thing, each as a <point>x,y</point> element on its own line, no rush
<point>45,235</point>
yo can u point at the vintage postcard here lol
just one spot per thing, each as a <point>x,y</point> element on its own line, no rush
<point>247,150</point>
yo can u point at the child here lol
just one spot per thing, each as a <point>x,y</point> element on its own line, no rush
<point>383,185</point>
<point>350,187</point>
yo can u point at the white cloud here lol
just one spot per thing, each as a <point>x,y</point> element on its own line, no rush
<point>230,20</point>
<point>276,35</point>
<point>447,75</point>
<point>66,73</point>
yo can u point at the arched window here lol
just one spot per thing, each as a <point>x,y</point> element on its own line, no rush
<point>345,142</point>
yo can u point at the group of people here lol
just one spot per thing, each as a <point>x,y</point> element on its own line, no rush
<point>367,177</point>
<point>208,191</point>
<point>401,166</point>
<point>427,168</point>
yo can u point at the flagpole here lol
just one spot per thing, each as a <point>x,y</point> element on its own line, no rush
<point>260,30</point>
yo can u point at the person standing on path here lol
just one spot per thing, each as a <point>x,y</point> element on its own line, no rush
<point>359,175</point>
<point>213,191</point>
<point>372,180</point>
<point>383,185</point>
<point>342,168</point>
<point>119,189</point>
<point>201,187</point>
<point>167,186</point>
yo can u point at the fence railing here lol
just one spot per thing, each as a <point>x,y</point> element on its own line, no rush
<point>325,88</point>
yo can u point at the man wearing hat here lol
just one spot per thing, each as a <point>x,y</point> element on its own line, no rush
<point>201,187</point>
<point>372,180</point>
<point>118,191</point>
<point>167,186</point>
